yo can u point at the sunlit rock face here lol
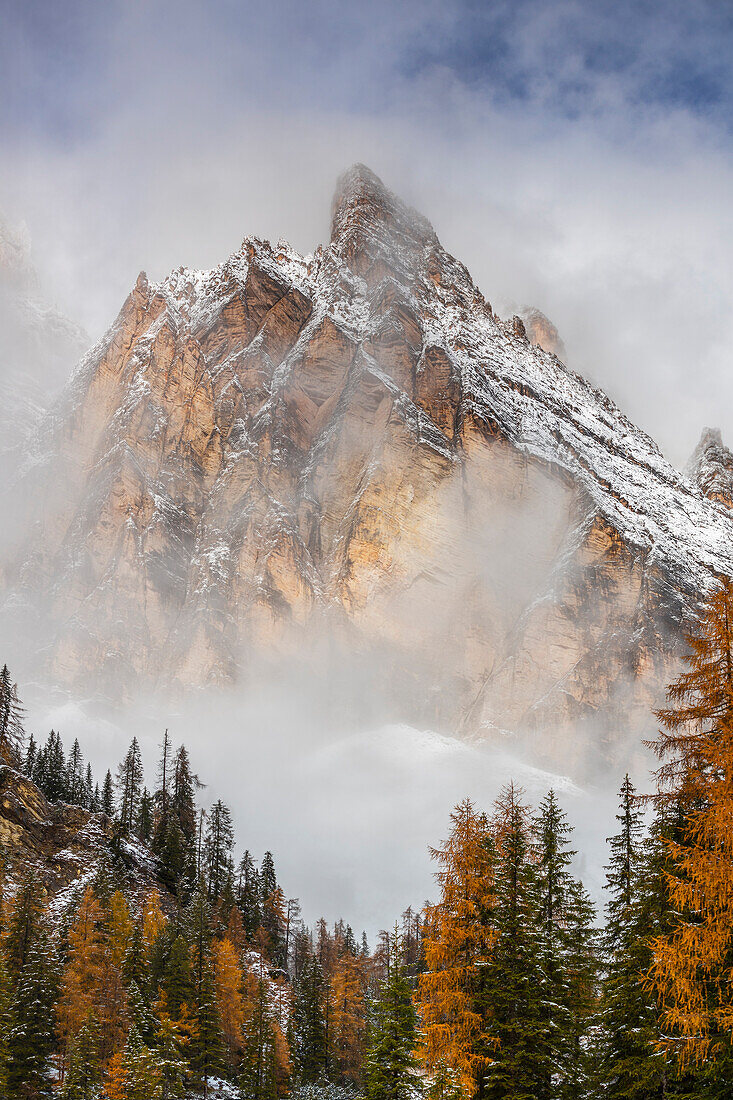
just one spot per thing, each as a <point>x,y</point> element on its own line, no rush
<point>352,446</point>
<point>540,330</point>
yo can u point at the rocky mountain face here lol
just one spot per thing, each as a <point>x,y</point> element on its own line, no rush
<point>38,346</point>
<point>353,446</point>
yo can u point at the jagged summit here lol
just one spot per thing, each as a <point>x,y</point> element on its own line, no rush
<point>355,443</point>
<point>373,229</point>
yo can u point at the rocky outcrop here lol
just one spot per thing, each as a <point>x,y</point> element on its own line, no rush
<point>711,467</point>
<point>541,331</point>
<point>353,445</point>
<point>63,846</point>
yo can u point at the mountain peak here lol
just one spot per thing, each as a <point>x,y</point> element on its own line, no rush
<point>372,228</point>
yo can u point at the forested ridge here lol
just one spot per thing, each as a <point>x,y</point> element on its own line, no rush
<point>509,986</point>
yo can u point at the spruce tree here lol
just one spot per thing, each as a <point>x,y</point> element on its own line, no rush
<point>31,1038</point>
<point>513,976</point>
<point>218,847</point>
<point>75,785</point>
<point>629,1017</point>
<point>144,823</point>
<point>567,960</point>
<point>84,1074</point>
<point>12,715</point>
<point>308,1025</point>
<point>177,983</point>
<point>31,755</point>
<point>108,797</point>
<point>391,1071</point>
<point>248,896</point>
<point>129,788</point>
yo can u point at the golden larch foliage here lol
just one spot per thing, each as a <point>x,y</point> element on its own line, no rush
<point>347,1016</point>
<point>692,964</point>
<point>154,921</point>
<point>458,942</point>
<point>228,979</point>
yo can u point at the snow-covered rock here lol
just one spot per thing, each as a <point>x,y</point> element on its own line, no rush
<point>353,442</point>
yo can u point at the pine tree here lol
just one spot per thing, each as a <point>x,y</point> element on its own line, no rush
<point>12,715</point>
<point>460,942</point>
<point>206,1045</point>
<point>391,1064</point>
<point>248,896</point>
<point>31,756</point>
<point>75,775</point>
<point>108,798</point>
<point>144,823</point>
<point>89,790</point>
<point>177,980</point>
<point>31,1037</point>
<point>567,962</point>
<point>161,796</point>
<point>692,962</point>
<point>513,976</point>
<point>309,1038</point>
<point>129,787</point>
<point>183,799</point>
<point>218,847</point>
<point>84,1074</point>
<point>268,877</point>
<point>265,1064</point>
<point>50,773</point>
<point>171,1040</point>
<point>629,1018</point>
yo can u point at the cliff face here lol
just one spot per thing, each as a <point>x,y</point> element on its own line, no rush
<point>353,444</point>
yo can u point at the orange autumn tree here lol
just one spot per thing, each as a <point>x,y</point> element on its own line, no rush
<point>228,985</point>
<point>82,976</point>
<point>458,943</point>
<point>348,1014</point>
<point>93,982</point>
<point>693,963</point>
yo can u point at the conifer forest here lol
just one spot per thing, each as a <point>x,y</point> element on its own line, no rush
<point>203,980</point>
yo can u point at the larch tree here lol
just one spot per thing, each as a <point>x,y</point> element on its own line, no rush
<point>693,961</point>
<point>83,974</point>
<point>459,942</point>
<point>228,980</point>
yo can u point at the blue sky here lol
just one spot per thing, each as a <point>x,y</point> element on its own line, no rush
<point>576,155</point>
